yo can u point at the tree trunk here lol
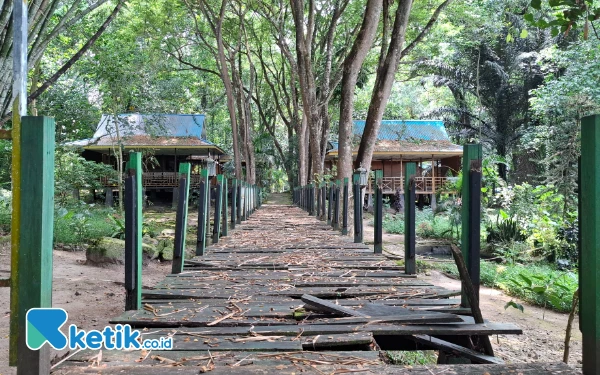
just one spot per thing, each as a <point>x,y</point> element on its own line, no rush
<point>222,62</point>
<point>302,152</point>
<point>386,72</point>
<point>383,84</point>
<point>352,66</point>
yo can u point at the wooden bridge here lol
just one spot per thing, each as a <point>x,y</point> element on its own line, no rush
<point>285,294</point>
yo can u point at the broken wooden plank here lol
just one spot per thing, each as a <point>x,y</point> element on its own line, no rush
<point>330,307</point>
<point>439,344</point>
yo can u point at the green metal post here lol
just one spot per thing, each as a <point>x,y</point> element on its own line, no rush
<point>345,207</point>
<point>470,152</point>
<point>203,210</point>
<point>234,199</point>
<point>225,226</point>
<point>409,220</point>
<point>589,233</point>
<point>378,219</point>
<point>35,252</point>
<point>218,210</point>
<point>134,165</point>
<point>184,171</point>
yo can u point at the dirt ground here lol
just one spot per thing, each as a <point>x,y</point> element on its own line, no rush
<point>93,295</point>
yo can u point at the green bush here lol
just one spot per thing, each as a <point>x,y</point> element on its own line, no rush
<point>549,287</point>
<point>80,223</point>
<point>427,225</point>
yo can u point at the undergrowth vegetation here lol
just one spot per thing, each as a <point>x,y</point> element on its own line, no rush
<point>540,284</point>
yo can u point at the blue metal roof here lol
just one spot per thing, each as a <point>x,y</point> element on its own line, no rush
<point>160,125</point>
<point>407,130</point>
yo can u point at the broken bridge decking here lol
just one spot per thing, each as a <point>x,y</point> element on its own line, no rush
<point>283,293</point>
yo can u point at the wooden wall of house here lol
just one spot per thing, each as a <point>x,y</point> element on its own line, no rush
<point>395,168</point>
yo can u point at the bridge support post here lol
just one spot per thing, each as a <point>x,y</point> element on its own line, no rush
<point>33,275</point>
<point>589,244</point>
<point>378,219</point>
<point>203,205</point>
<point>233,201</point>
<point>410,263</point>
<point>471,152</point>
<point>238,215</point>
<point>336,206</point>
<point>218,203</point>
<point>181,219</point>
<point>225,225</point>
<point>133,233</point>
<point>345,208</point>
<point>330,204</point>
<point>358,225</point>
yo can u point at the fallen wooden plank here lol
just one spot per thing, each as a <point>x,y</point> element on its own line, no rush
<point>439,344</point>
<point>330,307</point>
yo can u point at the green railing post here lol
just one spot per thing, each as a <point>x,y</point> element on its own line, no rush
<point>134,298</point>
<point>203,210</point>
<point>378,219</point>
<point>470,152</point>
<point>181,219</point>
<point>35,240</point>
<point>345,208</point>
<point>218,208</point>
<point>225,225</point>
<point>233,202</point>
<point>589,308</point>
<point>336,206</point>
<point>358,228</point>
<point>410,263</point>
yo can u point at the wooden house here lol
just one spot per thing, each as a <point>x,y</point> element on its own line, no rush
<point>424,142</point>
<point>165,141</point>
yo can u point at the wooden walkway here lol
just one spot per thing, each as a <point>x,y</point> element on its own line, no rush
<point>285,294</point>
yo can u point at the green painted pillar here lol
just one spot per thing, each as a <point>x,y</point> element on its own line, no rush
<point>135,166</point>
<point>470,152</point>
<point>35,243</point>
<point>184,170</point>
<point>225,225</point>
<point>409,221</point>
<point>378,211</point>
<point>203,212</point>
<point>218,209</point>
<point>589,232</point>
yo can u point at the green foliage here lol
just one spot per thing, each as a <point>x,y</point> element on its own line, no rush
<point>564,14</point>
<point>427,225</point>
<point>416,358</point>
<point>5,210</point>
<point>548,287</point>
<point>118,227</point>
<point>514,304</point>
<point>73,172</point>
<point>79,223</point>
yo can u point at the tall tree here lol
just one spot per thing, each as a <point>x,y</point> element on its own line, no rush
<point>352,64</point>
<point>388,65</point>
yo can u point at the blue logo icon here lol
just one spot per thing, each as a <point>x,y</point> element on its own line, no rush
<point>43,325</point>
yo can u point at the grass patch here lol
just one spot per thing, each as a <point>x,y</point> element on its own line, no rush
<point>549,287</point>
<point>425,357</point>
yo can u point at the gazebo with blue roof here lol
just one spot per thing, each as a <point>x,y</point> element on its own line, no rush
<point>166,140</point>
<point>425,142</point>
